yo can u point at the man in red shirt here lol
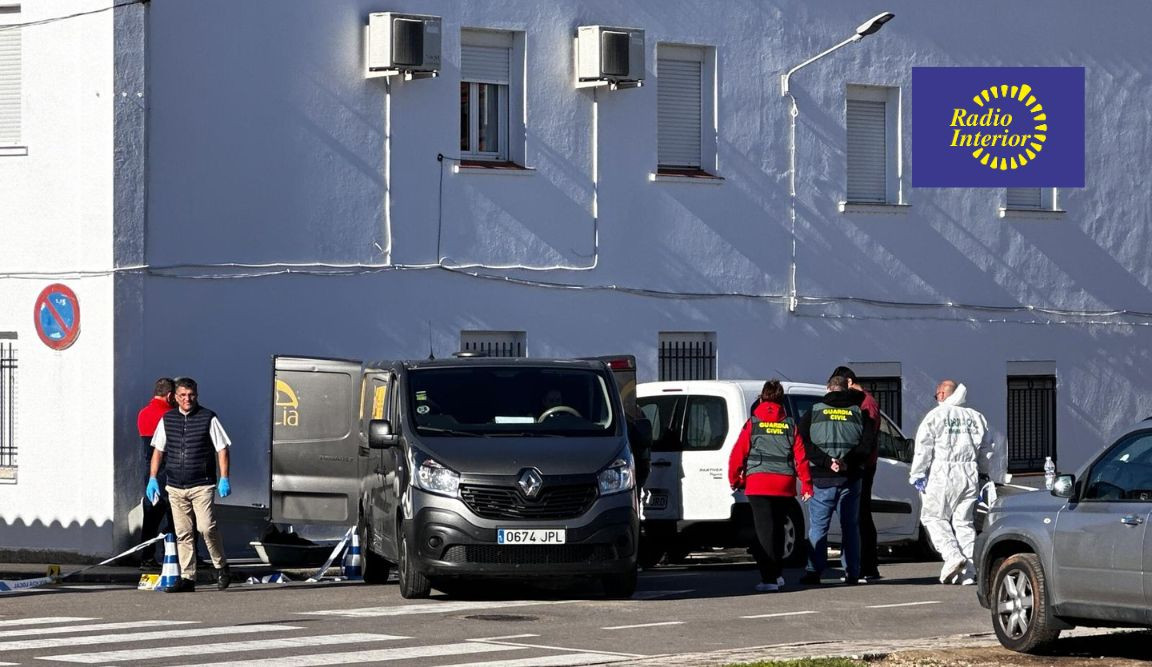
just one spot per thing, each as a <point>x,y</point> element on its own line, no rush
<point>869,560</point>
<point>146,421</point>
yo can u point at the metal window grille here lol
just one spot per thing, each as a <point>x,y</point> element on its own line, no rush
<point>7,409</point>
<point>687,359</point>
<point>887,392</point>
<point>1031,421</point>
<point>494,343</point>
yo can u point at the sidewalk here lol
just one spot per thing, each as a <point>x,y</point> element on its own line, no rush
<point>113,574</point>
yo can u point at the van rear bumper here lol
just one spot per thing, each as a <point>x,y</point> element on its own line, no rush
<point>448,545</point>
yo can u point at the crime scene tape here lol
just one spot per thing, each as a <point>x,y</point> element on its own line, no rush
<point>335,552</point>
<point>54,576</point>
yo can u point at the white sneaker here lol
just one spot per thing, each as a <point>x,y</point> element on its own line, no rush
<point>950,573</point>
<point>767,588</point>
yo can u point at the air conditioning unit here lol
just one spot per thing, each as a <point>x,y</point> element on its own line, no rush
<point>406,44</point>
<point>613,56</point>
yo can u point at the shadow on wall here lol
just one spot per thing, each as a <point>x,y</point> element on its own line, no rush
<point>55,542</point>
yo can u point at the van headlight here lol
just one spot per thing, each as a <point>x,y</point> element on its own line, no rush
<point>620,475</point>
<point>433,477</point>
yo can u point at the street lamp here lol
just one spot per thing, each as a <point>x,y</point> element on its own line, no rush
<point>863,30</point>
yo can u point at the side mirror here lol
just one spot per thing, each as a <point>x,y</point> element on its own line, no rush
<point>380,435</point>
<point>1064,486</point>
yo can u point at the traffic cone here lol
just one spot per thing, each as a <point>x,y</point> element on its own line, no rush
<point>352,570</point>
<point>170,572</point>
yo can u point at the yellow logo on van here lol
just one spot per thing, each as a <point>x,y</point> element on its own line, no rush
<point>1000,145</point>
<point>287,405</point>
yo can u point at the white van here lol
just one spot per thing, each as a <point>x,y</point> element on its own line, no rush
<point>688,504</point>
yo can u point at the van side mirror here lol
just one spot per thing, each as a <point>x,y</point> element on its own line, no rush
<point>380,435</point>
<point>1064,486</point>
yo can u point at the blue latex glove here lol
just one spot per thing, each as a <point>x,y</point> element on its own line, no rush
<point>920,484</point>
<point>223,487</point>
<point>152,491</point>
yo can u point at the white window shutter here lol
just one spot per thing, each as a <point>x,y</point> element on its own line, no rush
<point>867,151</point>
<point>1023,198</point>
<point>10,86</point>
<point>485,64</point>
<point>678,102</point>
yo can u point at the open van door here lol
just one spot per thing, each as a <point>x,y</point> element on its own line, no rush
<point>315,441</point>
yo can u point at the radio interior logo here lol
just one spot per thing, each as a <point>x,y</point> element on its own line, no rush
<point>1010,130</point>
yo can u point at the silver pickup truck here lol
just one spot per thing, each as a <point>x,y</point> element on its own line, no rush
<point>1078,555</point>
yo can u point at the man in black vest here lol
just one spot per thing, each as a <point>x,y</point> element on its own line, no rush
<point>192,439</point>
<point>838,438</point>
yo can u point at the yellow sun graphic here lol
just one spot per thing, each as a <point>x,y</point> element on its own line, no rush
<point>1021,93</point>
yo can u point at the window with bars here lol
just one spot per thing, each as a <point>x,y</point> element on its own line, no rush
<point>489,75</point>
<point>687,355</point>
<point>494,343</point>
<point>8,459</point>
<point>1031,421</point>
<point>11,76</point>
<point>872,149</point>
<point>888,394</point>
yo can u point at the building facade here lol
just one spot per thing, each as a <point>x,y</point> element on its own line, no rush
<point>219,183</point>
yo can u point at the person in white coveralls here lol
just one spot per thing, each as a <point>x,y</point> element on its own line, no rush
<point>953,448</point>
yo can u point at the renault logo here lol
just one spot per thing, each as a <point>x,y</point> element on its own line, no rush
<point>530,482</point>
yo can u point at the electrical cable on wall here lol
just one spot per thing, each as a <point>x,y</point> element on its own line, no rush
<point>54,19</point>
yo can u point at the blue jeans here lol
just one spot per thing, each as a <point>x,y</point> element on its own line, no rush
<point>845,501</point>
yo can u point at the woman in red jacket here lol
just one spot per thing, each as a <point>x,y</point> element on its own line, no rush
<point>767,459</point>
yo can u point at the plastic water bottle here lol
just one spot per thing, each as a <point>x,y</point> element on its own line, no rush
<point>1049,472</point>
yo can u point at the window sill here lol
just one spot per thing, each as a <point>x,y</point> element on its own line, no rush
<point>1031,213</point>
<point>873,207</point>
<point>13,150</point>
<point>492,167</point>
<point>685,176</point>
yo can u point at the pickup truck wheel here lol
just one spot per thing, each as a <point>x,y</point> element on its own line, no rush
<point>1021,611</point>
<point>795,544</point>
<point>620,585</point>
<point>375,568</point>
<point>412,583</point>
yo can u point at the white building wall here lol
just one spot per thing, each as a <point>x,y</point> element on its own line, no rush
<point>267,146</point>
<point>55,219</point>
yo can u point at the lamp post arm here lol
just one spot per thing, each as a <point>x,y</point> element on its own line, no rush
<point>784,77</point>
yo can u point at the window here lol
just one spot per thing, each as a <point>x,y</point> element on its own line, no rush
<point>1031,421</point>
<point>11,74</point>
<point>1124,473</point>
<point>687,355</point>
<point>684,110</point>
<point>891,443</point>
<point>7,408</point>
<point>686,423</point>
<point>888,395</point>
<point>494,343</point>
<point>490,95</point>
<point>1029,199</point>
<point>872,148</point>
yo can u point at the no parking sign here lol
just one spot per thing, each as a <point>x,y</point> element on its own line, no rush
<point>57,316</point>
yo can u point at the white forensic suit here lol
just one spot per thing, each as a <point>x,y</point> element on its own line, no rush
<point>952,449</point>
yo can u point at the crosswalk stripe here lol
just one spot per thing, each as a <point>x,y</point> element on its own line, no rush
<point>43,620</point>
<point>432,608</point>
<point>569,660</point>
<point>161,635</point>
<point>782,613</point>
<point>377,655</point>
<point>164,652</point>
<point>642,625</point>
<point>24,632</point>
<point>902,604</point>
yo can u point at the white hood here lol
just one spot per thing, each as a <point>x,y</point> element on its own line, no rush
<point>958,397</point>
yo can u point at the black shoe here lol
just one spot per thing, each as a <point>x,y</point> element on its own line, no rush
<point>810,578</point>
<point>223,578</point>
<point>852,581</point>
<point>182,585</point>
<point>871,576</point>
<point>149,564</point>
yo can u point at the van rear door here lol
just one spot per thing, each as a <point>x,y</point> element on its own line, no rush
<point>315,441</point>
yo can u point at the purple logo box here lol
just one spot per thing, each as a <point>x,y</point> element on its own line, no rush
<point>997,127</point>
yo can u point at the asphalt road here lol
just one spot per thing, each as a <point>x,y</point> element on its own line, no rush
<point>695,609</point>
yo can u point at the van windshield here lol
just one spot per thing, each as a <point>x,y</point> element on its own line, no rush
<point>519,401</point>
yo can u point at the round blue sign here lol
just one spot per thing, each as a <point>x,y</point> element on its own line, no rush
<point>57,316</point>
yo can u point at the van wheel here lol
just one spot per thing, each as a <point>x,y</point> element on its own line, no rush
<point>795,543</point>
<point>1021,613</point>
<point>620,585</point>
<point>375,568</point>
<point>412,583</point>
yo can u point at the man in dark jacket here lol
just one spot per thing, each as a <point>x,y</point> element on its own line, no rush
<point>869,561</point>
<point>194,443</point>
<point>838,439</point>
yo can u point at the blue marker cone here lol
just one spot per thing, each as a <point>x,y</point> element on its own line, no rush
<point>352,569</point>
<point>170,573</point>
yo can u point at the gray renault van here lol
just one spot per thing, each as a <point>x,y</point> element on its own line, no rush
<point>463,468</point>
